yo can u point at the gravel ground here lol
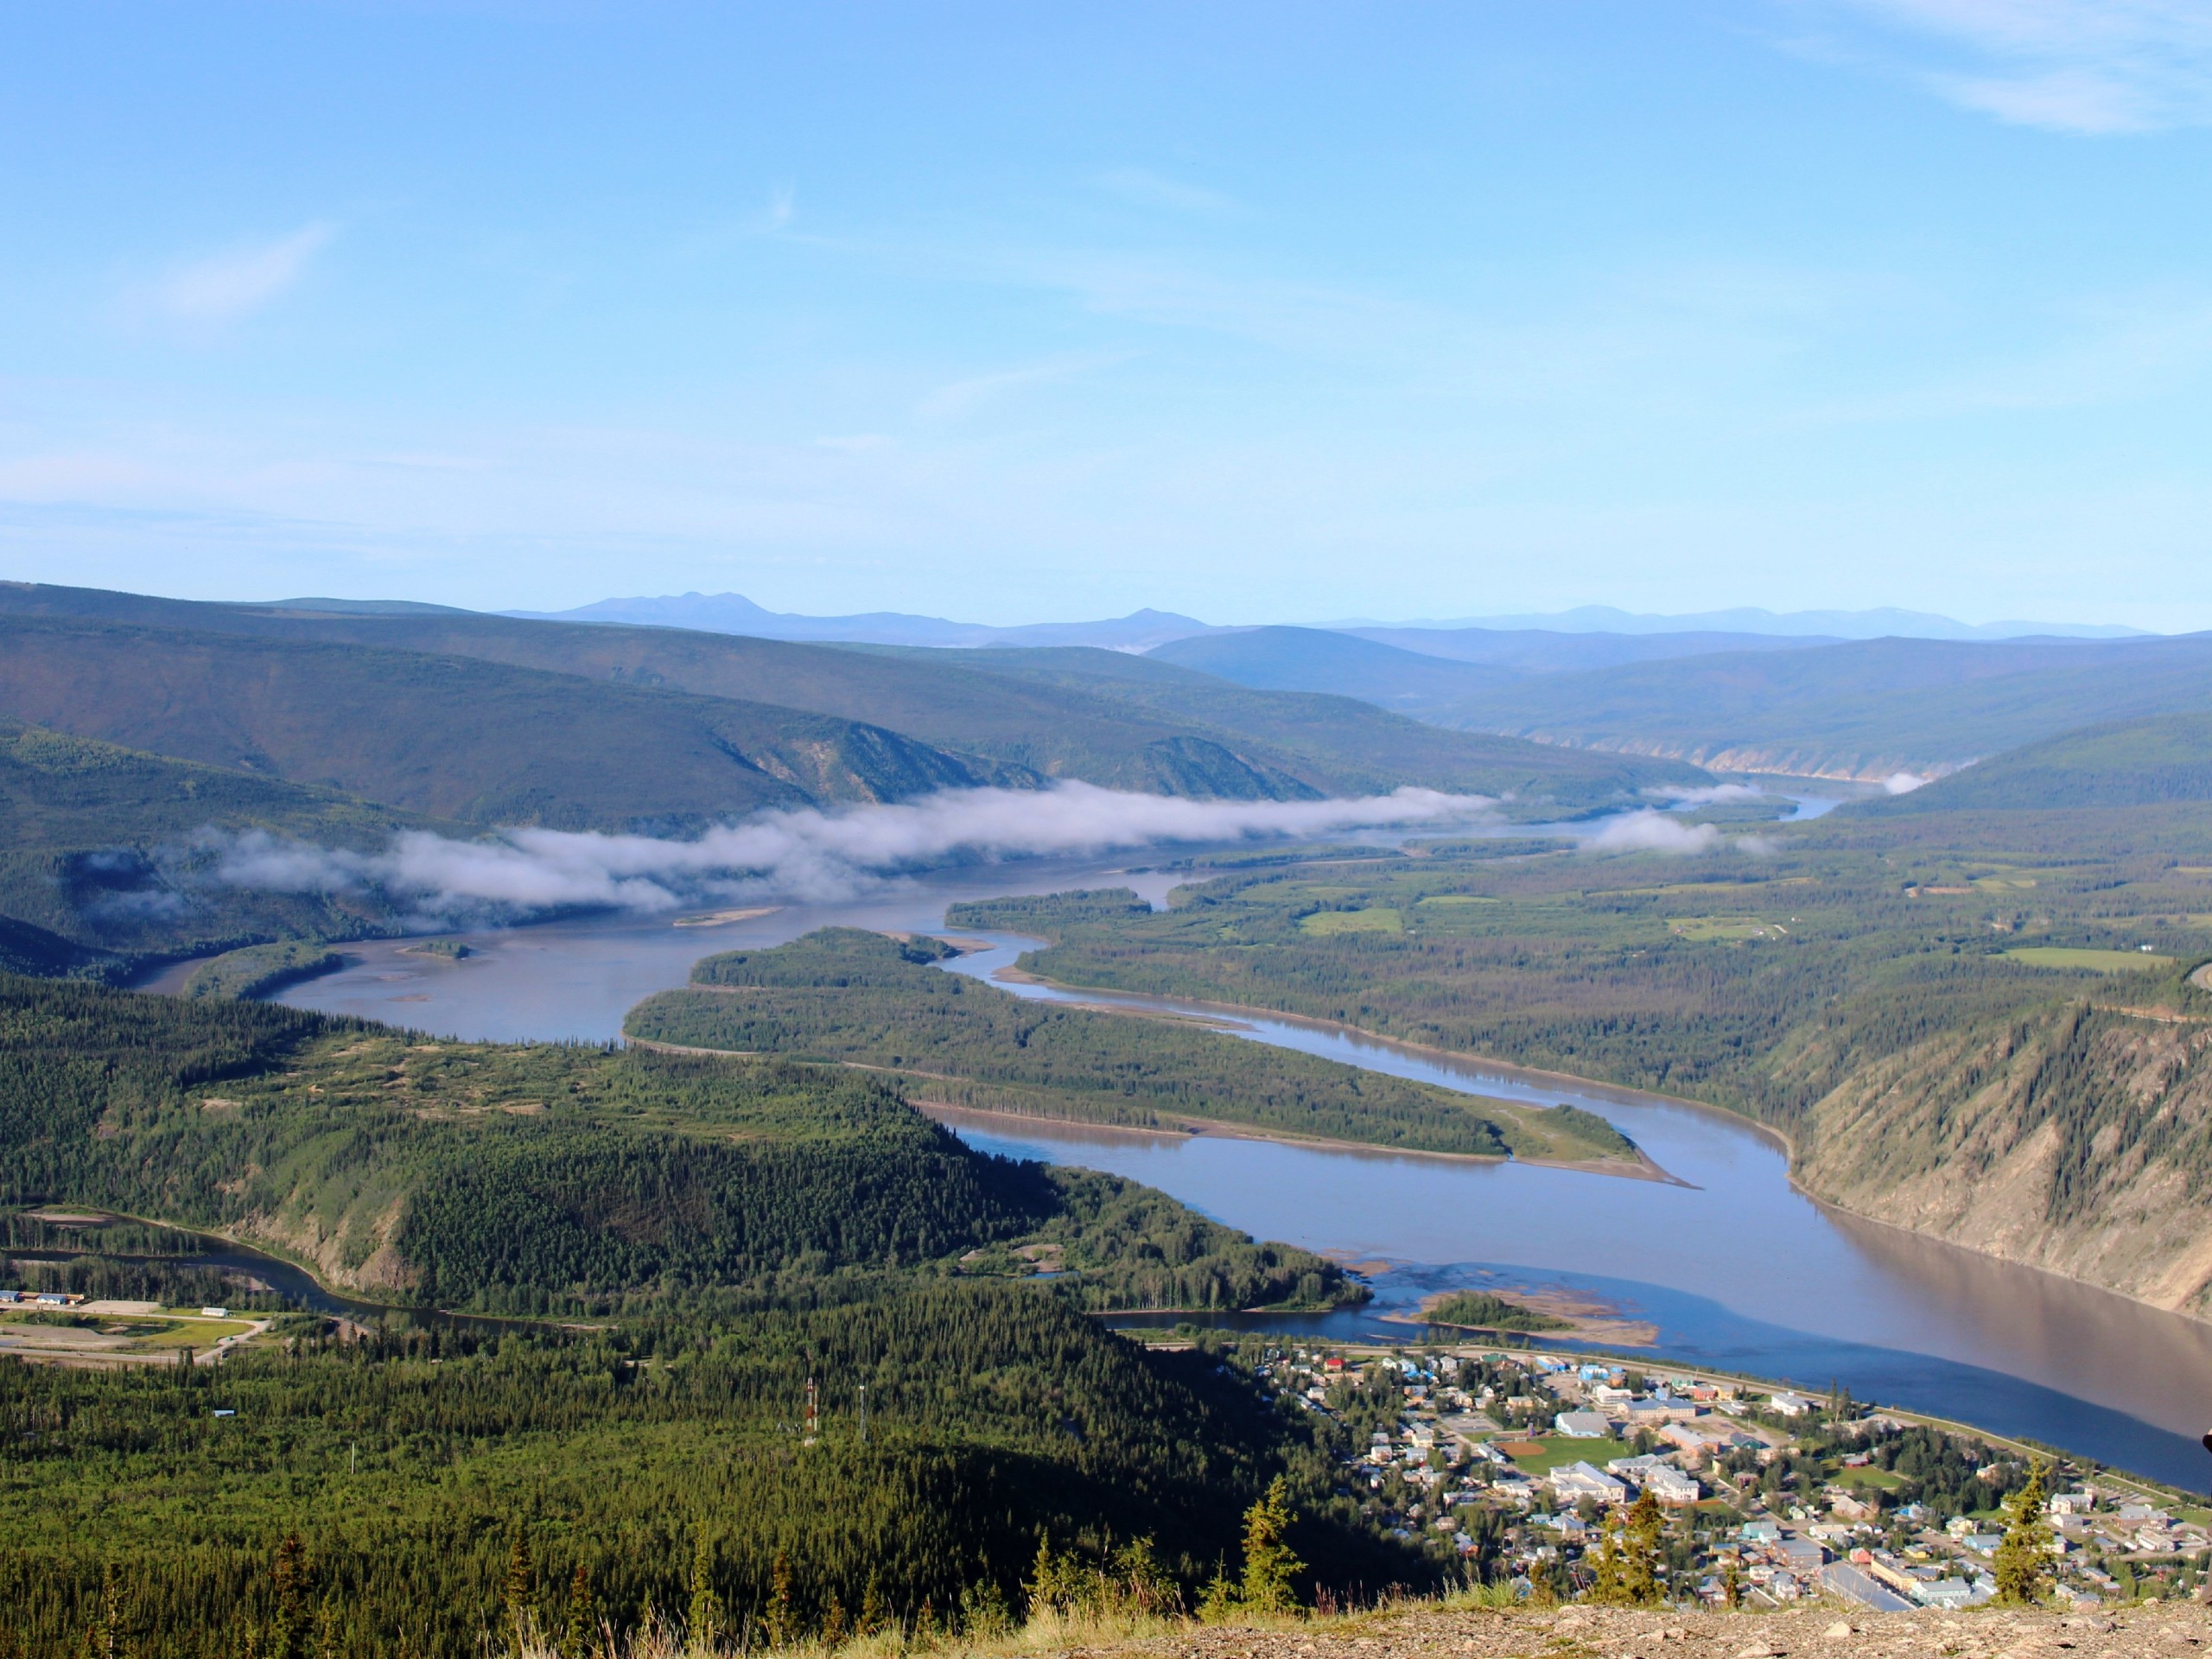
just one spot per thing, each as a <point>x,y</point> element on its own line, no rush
<point>2148,1631</point>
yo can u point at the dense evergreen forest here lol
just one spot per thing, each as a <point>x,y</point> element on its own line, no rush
<point>534,1178</point>
<point>710,1233</point>
<point>412,1492</point>
<point>864,999</point>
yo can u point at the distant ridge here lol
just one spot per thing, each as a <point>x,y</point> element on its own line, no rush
<point>1742,628</point>
<point>735,614</point>
<point>1886,623</point>
<point>362,608</point>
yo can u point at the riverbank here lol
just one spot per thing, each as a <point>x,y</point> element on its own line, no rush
<point>1643,1169</point>
<point>1253,1019</point>
<point>1242,1018</point>
<point>1738,1267</point>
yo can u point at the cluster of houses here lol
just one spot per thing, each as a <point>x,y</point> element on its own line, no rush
<point>39,1298</point>
<point>1492,1431</point>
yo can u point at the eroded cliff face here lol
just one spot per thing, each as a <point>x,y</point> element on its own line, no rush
<point>354,1251</point>
<point>2077,1140</point>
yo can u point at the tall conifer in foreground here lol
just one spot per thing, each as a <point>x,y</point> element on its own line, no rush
<point>2023,1557</point>
<point>1269,1562</point>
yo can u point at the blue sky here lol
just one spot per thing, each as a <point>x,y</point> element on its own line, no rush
<point>1265,312</point>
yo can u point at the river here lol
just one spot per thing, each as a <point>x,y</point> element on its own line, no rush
<point>1734,1267</point>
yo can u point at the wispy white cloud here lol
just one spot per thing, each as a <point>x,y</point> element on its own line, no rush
<point>2091,67</point>
<point>805,855</point>
<point>223,287</point>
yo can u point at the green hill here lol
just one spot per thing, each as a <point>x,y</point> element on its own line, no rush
<point>1546,650</point>
<point>1347,746</point>
<point>520,1178</point>
<point>101,848</point>
<point>1070,712</point>
<point>1867,708</point>
<point>762,1232</point>
<point>1343,664</point>
<point>2154,762</point>
<point>451,737</point>
<point>61,792</point>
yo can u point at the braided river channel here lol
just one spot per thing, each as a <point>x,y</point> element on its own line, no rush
<point>1726,1265</point>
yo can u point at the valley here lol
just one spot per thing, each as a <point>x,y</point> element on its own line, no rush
<point>1936,1053</point>
<point>1156,832</point>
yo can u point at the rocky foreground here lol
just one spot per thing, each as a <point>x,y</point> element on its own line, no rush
<point>2141,1631</point>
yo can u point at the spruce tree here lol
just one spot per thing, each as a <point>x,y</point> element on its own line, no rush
<point>288,1580</point>
<point>703,1628</point>
<point>517,1594</point>
<point>1626,1565</point>
<point>580,1635</point>
<point>2024,1557</point>
<point>1269,1563</point>
<point>782,1627</point>
<point>1218,1605</point>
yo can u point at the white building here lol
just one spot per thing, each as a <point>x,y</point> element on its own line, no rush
<point>1583,1425</point>
<point>1580,1480</point>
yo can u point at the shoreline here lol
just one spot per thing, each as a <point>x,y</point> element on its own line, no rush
<point>1621,1092</point>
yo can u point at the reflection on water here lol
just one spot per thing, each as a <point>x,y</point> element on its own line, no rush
<point>574,980</point>
<point>1735,1267</point>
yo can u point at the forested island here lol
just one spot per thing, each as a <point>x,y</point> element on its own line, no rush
<point>862,999</point>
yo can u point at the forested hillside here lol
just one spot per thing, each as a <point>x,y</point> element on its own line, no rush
<point>2076,1137</point>
<point>1342,665</point>
<point>536,1177</point>
<point>1209,739</point>
<point>748,1225</point>
<point>417,1493</point>
<point>1362,748</point>
<point>2152,762</point>
<point>105,848</point>
<point>863,998</point>
<point>452,737</point>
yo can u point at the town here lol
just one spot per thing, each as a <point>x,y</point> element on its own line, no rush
<point>1513,1460</point>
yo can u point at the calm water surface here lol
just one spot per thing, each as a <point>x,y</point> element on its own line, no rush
<point>1732,1266</point>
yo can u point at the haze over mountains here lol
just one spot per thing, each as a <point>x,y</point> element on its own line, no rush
<point>151,733</point>
<point>735,614</point>
<point>1145,629</point>
<point>140,728</point>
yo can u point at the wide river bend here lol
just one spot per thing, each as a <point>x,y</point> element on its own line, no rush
<point>1734,1267</point>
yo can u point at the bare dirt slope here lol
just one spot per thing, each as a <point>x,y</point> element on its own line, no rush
<point>2074,1141</point>
<point>2147,1631</point>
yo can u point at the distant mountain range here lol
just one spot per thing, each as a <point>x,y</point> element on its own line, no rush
<point>1881,624</point>
<point>735,614</point>
<point>1468,639</point>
